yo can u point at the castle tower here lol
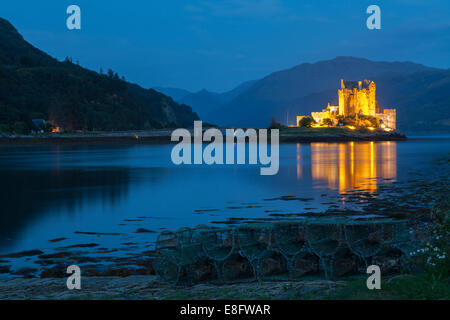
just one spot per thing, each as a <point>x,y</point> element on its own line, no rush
<point>341,95</point>
<point>341,101</point>
<point>372,99</point>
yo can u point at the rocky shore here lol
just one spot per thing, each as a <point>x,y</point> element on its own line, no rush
<point>150,287</point>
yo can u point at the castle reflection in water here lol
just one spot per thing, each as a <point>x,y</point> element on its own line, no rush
<point>350,165</point>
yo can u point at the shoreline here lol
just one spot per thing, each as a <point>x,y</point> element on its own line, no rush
<point>164,137</point>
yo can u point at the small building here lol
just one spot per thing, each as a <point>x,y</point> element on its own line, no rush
<point>39,124</point>
<point>329,112</point>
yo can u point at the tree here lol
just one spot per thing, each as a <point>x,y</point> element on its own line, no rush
<point>340,120</point>
<point>27,61</point>
<point>368,121</point>
<point>306,122</point>
<point>327,122</point>
<point>20,127</point>
<point>274,124</point>
<point>350,121</point>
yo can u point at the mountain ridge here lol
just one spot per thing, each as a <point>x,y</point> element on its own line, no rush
<point>310,86</point>
<point>35,85</point>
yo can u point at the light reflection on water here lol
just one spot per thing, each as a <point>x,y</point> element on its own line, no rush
<point>347,166</point>
<point>52,191</point>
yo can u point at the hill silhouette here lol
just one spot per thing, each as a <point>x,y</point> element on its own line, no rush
<point>35,85</point>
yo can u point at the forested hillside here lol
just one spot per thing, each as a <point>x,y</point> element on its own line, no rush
<point>34,85</point>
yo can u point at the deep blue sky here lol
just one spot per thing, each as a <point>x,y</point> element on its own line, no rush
<point>216,44</point>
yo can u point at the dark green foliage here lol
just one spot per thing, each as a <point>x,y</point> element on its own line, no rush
<point>34,85</point>
<point>359,121</point>
<point>327,122</point>
<point>347,121</point>
<point>274,124</point>
<point>306,122</point>
<point>368,121</point>
<point>20,127</point>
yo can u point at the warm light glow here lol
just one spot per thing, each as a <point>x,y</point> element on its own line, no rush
<point>372,160</point>
<point>371,128</point>
<point>388,129</point>
<point>56,130</point>
<point>299,164</point>
<point>346,166</point>
<point>352,158</point>
<point>356,98</point>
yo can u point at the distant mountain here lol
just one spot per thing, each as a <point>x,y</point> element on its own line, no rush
<point>305,88</point>
<point>176,94</point>
<point>422,99</point>
<point>205,102</point>
<point>420,94</point>
<point>35,85</point>
<point>228,96</point>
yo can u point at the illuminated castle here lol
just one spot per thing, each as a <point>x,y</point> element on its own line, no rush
<point>356,98</point>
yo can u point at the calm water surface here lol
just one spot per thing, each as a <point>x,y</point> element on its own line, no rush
<point>50,192</point>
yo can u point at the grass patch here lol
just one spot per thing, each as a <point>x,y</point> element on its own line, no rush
<point>407,287</point>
